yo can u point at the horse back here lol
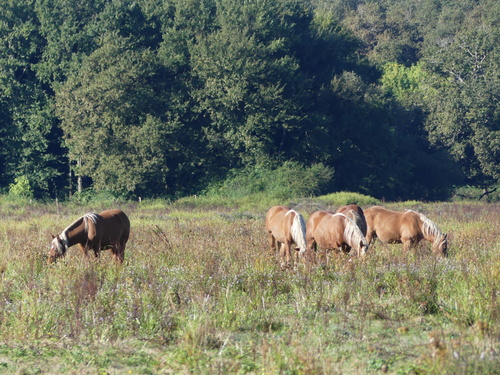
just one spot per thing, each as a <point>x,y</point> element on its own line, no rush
<point>326,228</point>
<point>279,223</point>
<point>113,226</point>
<point>392,226</point>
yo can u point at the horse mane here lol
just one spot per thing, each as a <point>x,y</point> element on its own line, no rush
<point>429,228</point>
<point>299,231</point>
<point>352,233</point>
<point>64,234</point>
<point>92,216</point>
<point>358,220</point>
<point>88,216</point>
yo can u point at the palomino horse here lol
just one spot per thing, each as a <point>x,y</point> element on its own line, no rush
<point>407,227</point>
<point>330,230</point>
<point>109,229</point>
<point>355,213</point>
<point>284,227</point>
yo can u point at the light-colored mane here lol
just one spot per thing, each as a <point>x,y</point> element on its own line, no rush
<point>352,234</point>
<point>88,216</point>
<point>429,229</point>
<point>358,220</point>
<point>92,216</point>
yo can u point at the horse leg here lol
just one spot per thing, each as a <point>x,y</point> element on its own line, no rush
<point>285,254</point>
<point>118,253</point>
<point>84,250</point>
<point>311,249</point>
<point>371,236</point>
<point>407,244</point>
<point>272,244</point>
<point>97,251</point>
<point>296,255</point>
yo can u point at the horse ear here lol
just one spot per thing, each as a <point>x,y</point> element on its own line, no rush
<point>53,236</point>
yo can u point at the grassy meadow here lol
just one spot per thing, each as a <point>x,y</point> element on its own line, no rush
<point>199,292</point>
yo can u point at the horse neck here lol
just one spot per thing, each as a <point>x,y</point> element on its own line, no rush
<point>352,234</point>
<point>76,232</point>
<point>430,231</point>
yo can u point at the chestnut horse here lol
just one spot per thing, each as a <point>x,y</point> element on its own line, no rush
<point>406,227</point>
<point>330,230</point>
<point>284,227</point>
<point>355,213</point>
<point>109,229</point>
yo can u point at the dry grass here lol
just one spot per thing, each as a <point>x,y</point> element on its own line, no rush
<point>199,292</point>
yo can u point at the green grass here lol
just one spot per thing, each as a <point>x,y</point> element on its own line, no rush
<point>199,292</point>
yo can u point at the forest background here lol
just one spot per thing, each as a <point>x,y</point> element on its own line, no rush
<point>155,98</point>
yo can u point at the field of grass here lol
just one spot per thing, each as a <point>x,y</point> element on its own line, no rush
<point>200,293</point>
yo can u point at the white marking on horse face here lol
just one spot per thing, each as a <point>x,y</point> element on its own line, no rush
<point>56,247</point>
<point>443,246</point>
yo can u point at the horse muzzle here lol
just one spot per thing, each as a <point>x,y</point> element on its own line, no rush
<point>52,258</point>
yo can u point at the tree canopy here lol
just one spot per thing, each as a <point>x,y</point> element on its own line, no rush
<point>148,98</point>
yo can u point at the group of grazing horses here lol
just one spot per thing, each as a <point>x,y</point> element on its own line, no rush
<point>350,227</point>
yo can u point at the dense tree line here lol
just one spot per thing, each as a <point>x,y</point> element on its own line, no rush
<point>396,99</point>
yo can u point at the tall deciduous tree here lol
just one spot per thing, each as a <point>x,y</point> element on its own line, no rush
<point>247,79</point>
<point>464,103</point>
<point>29,144</point>
<point>109,117</point>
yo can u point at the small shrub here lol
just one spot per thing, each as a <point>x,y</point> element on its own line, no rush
<point>344,198</point>
<point>287,181</point>
<point>21,188</point>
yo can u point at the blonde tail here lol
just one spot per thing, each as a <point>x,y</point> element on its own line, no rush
<point>299,232</point>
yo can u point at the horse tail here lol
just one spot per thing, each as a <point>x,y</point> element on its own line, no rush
<point>299,232</point>
<point>353,234</point>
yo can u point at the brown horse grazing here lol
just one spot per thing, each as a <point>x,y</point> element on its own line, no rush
<point>330,230</point>
<point>284,227</point>
<point>355,213</point>
<point>407,227</point>
<point>109,229</point>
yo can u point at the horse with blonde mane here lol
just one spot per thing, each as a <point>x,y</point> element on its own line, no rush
<point>330,230</point>
<point>108,230</point>
<point>285,227</point>
<point>355,213</point>
<point>406,227</point>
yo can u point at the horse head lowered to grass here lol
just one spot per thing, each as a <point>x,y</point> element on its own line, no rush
<point>109,229</point>
<point>406,227</point>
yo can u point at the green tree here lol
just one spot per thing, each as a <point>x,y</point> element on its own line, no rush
<point>108,112</point>
<point>463,102</point>
<point>247,80</point>
<point>29,145</point>
<point>70,31</point>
